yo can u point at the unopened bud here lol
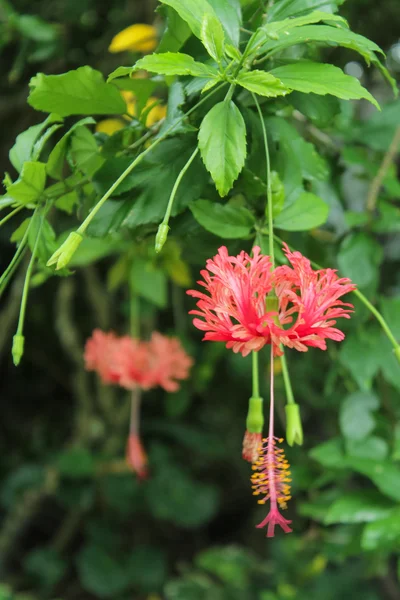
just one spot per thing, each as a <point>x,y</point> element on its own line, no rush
<point>294,429</point>
<point>255,417</point>
<point>65,252</point>
<point>161,237</point>
<point>17,348</point>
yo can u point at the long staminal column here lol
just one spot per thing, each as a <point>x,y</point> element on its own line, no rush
<point>271,478</point>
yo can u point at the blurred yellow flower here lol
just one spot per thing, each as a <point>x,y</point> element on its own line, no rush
<point>130,102</point>
<point>137,38</point>
<point>109,126</point>
<point>155,114</point>
<point>158,112</point>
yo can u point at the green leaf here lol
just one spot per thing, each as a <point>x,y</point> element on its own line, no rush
<point>383,534</point>
<point>175,497</point>
<point>191,11</point>
<point>322,79</point>
<point>358,507</point>
<point>329,454</point>
<point>84,151</point>
<point>147,568</point>
<point>223,220</point>
<point>319,109</point>
<point>230,564</point>
<point>149,282</point>
<point>45,565</point>
<point>213,37</point>
<point>222,143</point>
<point>384,474</point>
<point>230,14</point>
<point>317,16</point>
<point>361,354</point>
<point>290,8</point>
<point>67,202</point>
<point>327,35</point>
<point>307,212</point>
<point>79,92</point>
<point>55,162</point>
<point>278,29</point>
<point>174,63</point>
<point>35,28</point>
<point>359,258</point>
<point>22,150</point>
<point>371,447</point>
<point>391,312</point>
<point>175,34</point>
<point>100,573</point>
<point>76,463</point>
<point>378,130</point>
<point>30,184</point>
<point>194,11</point>
<point>356,418</point>
<point>262,83</point>
<point>155,177</point>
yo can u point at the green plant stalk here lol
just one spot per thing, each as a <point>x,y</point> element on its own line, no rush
<point>81,230</point>
<point>14,262</point>
<point>256,385</point>
<point>134,312</point>
<point>370,307</point>
<point>11,214</point>
<point>269,188</point>
<point>19,334</point>
<point>163,227</point>
<point>286,379</point>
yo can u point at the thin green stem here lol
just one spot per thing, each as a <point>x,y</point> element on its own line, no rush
<point>13,266</point>
<point>366,302</point>
<point>11,214</point>
<point>176,186</point>
<point>134,312</point>
<point>378,317</point>
<point>81,230</point>
<point>28,275</point>
<point>286,380</point>
<point>269,187</point>
<point>256,385</point>
<point>15,261</point>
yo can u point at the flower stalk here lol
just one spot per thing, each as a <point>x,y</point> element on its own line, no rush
<point>163,228</point>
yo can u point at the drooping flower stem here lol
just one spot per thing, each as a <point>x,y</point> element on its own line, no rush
<point>15,261</point>
<point>379,317</point>
<point>163,228</point>
<point>269,186</point>
<point>18,339</point>
<point>134,311</point>
<point>256,383</point>
<point>11,214</point>
<point>286,379</point>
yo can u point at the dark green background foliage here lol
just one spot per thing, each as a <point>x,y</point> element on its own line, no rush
<point>71,526</point>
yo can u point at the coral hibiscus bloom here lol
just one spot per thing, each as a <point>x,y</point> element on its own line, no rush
<point>168,362</point>
<point>99,353</point>
<point>235,309</point>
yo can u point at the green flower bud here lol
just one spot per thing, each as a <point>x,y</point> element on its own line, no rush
<point>255,417</point>
<point>65,252</point>
<point>17,348</point>
<point>161,237</point>
<point>294,429</point>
